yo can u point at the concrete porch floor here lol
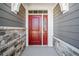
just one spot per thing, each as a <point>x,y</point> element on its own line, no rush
<point>39,51</point>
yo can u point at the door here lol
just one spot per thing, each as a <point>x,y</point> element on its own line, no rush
<point>35,30</point>
<point>38,29</point>
<point>45,29</point>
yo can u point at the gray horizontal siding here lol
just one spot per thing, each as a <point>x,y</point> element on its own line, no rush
<point>8,18</point>
<point>66,26</point>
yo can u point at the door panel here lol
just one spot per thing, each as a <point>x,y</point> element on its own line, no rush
<point>45,29</point>
<point>35,31</point>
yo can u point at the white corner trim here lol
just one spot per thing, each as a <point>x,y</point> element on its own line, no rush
<point>73,48</point>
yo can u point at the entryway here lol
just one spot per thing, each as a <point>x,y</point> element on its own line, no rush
<point>38,29</point>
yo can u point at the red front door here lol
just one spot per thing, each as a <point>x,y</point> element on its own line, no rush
<point>35,30</point>
<point>37,35</point>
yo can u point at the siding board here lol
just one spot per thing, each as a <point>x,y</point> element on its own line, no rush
<point>8,18</point>
<point>66,26</point>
